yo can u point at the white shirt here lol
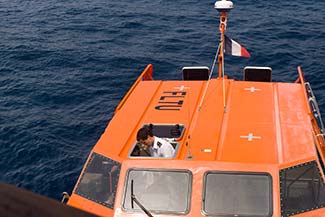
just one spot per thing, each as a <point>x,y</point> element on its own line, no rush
<point>161,148</point>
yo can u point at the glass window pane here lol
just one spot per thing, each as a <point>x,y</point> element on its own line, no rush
<point>99,181</point>
<point>302,189</point>
<point>237,194</point>
<point>159,191</point>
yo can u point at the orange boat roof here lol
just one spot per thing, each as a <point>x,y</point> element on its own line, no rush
<point>276,130</point>
<point>229,125</point>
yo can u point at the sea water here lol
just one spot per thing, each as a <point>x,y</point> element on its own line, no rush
<point>66,64</point>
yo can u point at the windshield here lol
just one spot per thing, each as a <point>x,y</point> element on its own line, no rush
<point>99,181</point>
<point>237,194</point>
<point>159,191</point>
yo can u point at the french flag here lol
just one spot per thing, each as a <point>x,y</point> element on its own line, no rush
<point>235,49</point>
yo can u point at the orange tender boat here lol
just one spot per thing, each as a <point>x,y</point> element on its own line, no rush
<point>242,148</point>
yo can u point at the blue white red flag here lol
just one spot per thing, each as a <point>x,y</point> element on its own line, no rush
<point>235,49</point>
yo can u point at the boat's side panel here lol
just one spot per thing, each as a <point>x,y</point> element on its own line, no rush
<point>122,128</point>
<point>89,206</point>
<point>296,129</point>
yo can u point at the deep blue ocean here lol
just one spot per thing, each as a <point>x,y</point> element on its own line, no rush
<point>66,64</point>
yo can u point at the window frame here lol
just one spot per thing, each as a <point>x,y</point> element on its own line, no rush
<point>283,191</point>
<point>189,188</point>
<point>204,190</point>
<point>89,163</point>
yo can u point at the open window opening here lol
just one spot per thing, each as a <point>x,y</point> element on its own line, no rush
<point>171,133</point>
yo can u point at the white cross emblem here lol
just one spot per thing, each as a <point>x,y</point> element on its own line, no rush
<point>181,88</point>
<point>250,137</point>
<point>252,89</point>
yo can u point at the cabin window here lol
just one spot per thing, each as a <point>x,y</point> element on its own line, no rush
<point>237,194</point>
<point>159,191</point>
<point>99,180</point>
<point>302,189</point>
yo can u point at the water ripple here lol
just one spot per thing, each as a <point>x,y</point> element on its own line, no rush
<point>65,65</point>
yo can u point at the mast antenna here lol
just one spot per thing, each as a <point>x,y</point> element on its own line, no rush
<point>223,6</point>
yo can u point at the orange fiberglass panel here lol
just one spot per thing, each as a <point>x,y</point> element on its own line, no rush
<point>249,133</point>
<point>313,213</point>
<point>123,126</point>
<point>206,124</point>
<point>296,129</point>
<point>174,102</point>
<point>89,206</point>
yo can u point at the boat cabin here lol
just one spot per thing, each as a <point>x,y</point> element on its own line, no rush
<point>242,148</point>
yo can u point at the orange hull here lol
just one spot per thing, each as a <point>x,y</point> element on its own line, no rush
<point>242,148</point>
<point>267,127</point>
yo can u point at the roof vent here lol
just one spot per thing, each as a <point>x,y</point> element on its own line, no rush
<point>257,73</point>
<point>196,73</point>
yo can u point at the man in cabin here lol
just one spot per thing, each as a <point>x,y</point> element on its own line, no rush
<point>158,147</point>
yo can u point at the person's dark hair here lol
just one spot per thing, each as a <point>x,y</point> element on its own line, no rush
<point>143,133</point>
